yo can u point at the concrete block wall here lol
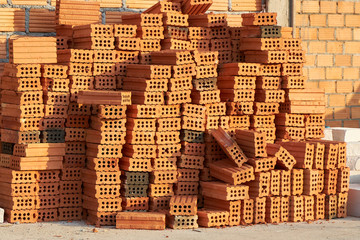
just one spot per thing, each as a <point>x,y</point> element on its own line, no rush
<point>331,35</point>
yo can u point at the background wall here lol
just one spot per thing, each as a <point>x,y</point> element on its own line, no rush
<point>330,31</point>
<point>331,35</point>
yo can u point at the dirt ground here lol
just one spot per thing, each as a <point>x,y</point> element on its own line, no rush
<point>348,228</point>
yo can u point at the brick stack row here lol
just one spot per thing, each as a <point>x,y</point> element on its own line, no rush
<point>32,151</point>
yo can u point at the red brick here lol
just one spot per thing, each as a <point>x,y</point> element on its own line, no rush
<point>355,112</point>
<point>310,60</point>
<point>326,33</point>
<point>318,20</point>
<point>334,123</point>
<point>329,86</point>
<point>352,20</point>
<point>351,123</point>
<point>302,20</point>
<point>316,73</point>
<point>353,99</point>
<point>310,7</point>
<point>7,16</point>
<point>351,73</point>
<point>345,7</point>
<point>343,60</point>
<point>356,34</point>
<point>334,73</point>
<point>341,113</point>
<point>317,47</point>
<point>337,100</point>
<point>308,33</point>
<point>357,7</point>
<point>325,60</point>
<point>335,20</point>
<point>352,47</point>
<point>334,47</point>
<point>327,6</point>
<point>344,86</point>
<point>329,113</point>
<point>344,34</point>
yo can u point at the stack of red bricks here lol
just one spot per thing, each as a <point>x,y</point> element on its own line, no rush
<point>101,179</point>
<point>32,149</point>
<point>206,141</point>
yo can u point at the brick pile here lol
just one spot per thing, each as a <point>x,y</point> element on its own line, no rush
<point>219,128</point>
<point>32,150</point>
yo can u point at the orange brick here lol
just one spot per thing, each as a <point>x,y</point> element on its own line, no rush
<point>344,86</point>
<point>8,17</point>
<point>327,6</point>
<point>308,33</point>
<point>3,47</point>
<point>351,73</point>
<point>335,20</point>
<point>302,20</point>
<point>41,20</point>
<point>356,61</point>
<point>316,73</point>
<point>317,47</point>
<point>310,60</point>
<point>29,2</point>
<point>344,34</point>
<point>328,86</point>
<point>334,123</point>
<point>352,47</point>
<point>312,84</point>
<point>318,20</point>
<point>343,60</point>
<point>357,7</point>
<point>345,7</point>
<point>356,34</point>
<point>341,113</point>
<point>140,4</point>
<point>334,47</point>
<point>337,100</point>
<point>352,20</point>
<point>357,86</point>
<point>326,33</point>
<point>329,113</point>
<point>325,60</point>
<point>355,112</point>
<point>334,73</point>
<point>351,123</point>
<point>353,99</point>
<point>219,5</point>
<point>311,7</point>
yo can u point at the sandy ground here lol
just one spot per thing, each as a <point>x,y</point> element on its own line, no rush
<point>348,228</point>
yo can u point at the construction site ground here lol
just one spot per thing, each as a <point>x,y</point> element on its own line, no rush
<point>345,228</point>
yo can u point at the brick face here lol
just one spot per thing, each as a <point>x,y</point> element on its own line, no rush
<point>336,100</point>
<point>342,60</point>
<point>335,20</point>
<point>318,20</point>
<point>344,34</point>
<point>310,6</point>
<point>325,60</point>
<point>344,86</point>
<point>2,47</point>
<point>352,20</point>
<point>345,7</point>
<point>328,6</point>
<point>334,47</point>
<point>326,33</point>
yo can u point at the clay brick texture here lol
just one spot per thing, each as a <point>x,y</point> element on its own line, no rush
<point>330,31</point>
